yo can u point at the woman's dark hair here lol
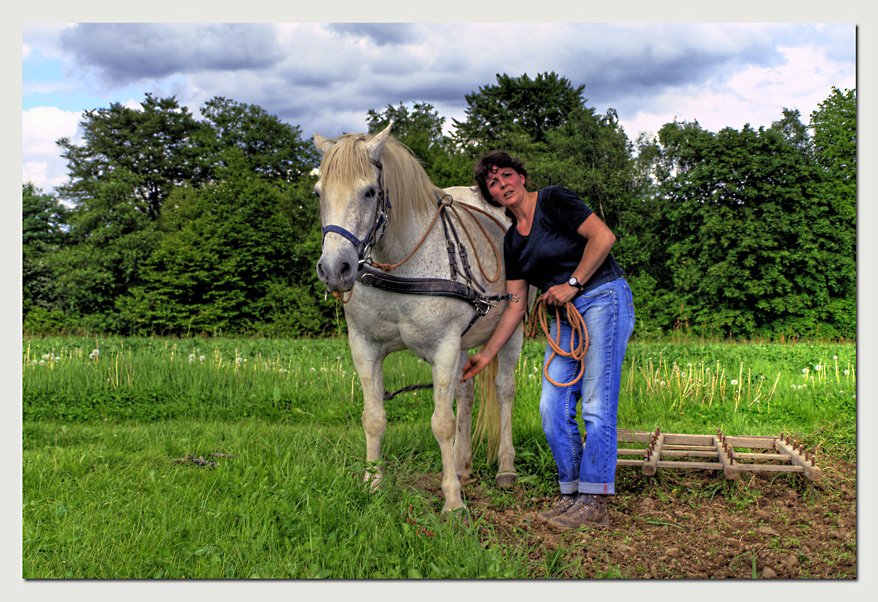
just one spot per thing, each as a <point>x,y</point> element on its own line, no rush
<point>490,162</point>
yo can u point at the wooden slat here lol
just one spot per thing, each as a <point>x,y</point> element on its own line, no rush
<point>770,467</point>
<point>684,464</point>
<point>682,453</point>
<point>751,442</point>
<point>690,447</point>
<point>762,456</point>
<point>679,438</point>
<point>626,436</point>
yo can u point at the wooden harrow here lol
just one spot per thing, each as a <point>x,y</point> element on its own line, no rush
<point>730,454</point>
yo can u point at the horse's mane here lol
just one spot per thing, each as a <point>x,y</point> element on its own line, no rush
<point>408,186</point>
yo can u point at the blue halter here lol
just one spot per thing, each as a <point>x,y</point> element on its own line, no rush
<point>382,217</point>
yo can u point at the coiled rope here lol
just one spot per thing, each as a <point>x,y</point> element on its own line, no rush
<point>577,327</point>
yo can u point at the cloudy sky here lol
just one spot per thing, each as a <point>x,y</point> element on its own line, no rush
<point>324,77</point>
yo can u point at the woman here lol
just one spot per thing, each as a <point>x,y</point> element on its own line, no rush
<point>557,244</point>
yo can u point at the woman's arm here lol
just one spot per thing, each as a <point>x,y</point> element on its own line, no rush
<point>599,240</point>
<point>509,321</point>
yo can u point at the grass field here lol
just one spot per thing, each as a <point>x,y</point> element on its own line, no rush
<point>221,458</point>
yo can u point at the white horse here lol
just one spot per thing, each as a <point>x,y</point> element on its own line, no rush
<point>376,205</point>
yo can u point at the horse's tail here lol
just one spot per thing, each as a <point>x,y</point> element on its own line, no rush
<point>487,428</point>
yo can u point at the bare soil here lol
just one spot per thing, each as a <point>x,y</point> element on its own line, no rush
<point>684,524</point>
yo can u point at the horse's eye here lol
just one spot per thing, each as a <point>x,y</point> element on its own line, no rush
<point>370,194</point>
<point>317,191</point>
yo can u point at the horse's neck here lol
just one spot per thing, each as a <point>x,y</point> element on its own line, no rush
<point>408,232</point>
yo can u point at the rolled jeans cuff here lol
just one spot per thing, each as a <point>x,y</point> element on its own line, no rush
<point>569,487</point>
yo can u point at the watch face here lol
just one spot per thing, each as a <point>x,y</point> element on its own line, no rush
<point>573,282</point>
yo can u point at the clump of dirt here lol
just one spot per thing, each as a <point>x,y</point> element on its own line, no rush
<point>685,525</point>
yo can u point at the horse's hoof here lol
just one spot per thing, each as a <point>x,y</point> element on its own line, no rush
<point>505,480</point>
<point>458,515</point>
<point>466,479</point>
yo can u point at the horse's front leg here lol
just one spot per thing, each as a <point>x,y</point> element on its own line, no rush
<point>507,360</point>
<point>369,364</point>
<point>464,396</point>
<point>446,365</point>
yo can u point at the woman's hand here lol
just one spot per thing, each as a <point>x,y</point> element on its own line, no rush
<point>475,364</point>
<point>560,294</point>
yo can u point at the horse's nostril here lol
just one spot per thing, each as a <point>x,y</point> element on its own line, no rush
<point>346,270</point>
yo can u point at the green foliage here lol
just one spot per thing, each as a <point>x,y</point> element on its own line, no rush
<point>270,148</point>
<point>42,234</point>
<point>421,130</point>
<point>752,248</point>
<point>173,224</point>
<point>129,159</point>
<point>231,260</point>
<point>517,107</point>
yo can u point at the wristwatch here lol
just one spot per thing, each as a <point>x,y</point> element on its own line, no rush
<point>574,282</point>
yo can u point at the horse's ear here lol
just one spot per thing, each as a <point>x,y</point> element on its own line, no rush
<point>376,144</point>
<point>322,143</point>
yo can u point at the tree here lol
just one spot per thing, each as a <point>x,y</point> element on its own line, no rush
<point>792,129</point>
<point>141,154</point>
<point>747,234</point>
<point>516,108</point>
<point>133,177</point>
<point>237,255</point>
<point>42,234</point>
<point>834,124</point>
<point>272,149</point>
<point>421,129</point>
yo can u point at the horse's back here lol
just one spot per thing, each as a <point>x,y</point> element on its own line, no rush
<point>471,196</point>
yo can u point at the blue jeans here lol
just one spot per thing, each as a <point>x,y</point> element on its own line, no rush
<point>608,312</point>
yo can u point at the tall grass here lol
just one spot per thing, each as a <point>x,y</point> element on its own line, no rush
<point>224,458</point>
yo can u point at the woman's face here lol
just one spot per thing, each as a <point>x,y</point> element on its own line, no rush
<point>505,185</point>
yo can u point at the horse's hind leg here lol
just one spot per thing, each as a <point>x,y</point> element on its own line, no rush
<point>464,396</point>
<point>507,361</point>
<point>369,364</point>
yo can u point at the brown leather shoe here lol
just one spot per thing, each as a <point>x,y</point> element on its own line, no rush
<point>564,503</point>
<point>588,510</point>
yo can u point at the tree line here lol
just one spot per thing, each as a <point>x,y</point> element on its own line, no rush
<point>173,224</point>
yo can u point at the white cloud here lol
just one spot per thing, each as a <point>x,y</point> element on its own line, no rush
<point>754,94</point>
<point>41,127</point>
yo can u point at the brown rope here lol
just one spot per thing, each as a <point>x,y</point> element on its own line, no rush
<point>340,296</point>
<point>387,267</point>
<point>577,326</point>
<point>473,245</point>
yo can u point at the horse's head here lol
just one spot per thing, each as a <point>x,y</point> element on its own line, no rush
<point>352,205</point>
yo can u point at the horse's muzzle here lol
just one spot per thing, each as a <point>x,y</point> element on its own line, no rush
<point>338,271</point>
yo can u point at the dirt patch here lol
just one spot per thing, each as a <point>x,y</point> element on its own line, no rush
<point>684,525</point>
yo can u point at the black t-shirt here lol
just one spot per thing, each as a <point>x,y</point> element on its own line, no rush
<point>549,254</point>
